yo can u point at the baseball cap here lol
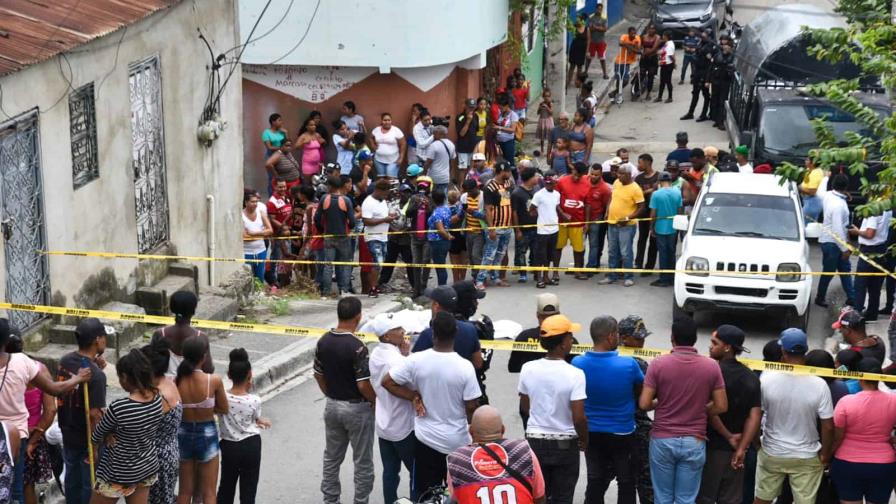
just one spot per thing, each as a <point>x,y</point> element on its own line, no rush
<point>92,327</point>
<point>503,166</point>
<point>632,325</point>
<point>548,304</point>
<point>414,170</point>
<point>794,341</point>
<point>665,177</point>
<point>478,156</point>
<point>466,288</point>
<point>732,335</point>
<point>681,136</point>
<point>616,161</point>
<point>445,295</point>
<point>471,102</point>
<point>743,150</point>
<point>331,166</point>
<point>557,325</point>
<point>381,325</point>
<point>850,319</point>
<point>364,155</point>
<point>405,187</point>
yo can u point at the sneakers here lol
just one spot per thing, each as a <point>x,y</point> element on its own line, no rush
<point>686,117</point>
<point>628,283</point>
<point>523,278</point>
<point>373,292</point>
<point>821,302</point>
<point>606,281</point>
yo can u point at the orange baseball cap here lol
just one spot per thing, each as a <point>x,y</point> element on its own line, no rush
<point>558,325</point>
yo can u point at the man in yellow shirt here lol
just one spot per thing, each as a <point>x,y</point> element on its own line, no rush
<point>809,190</point>
<point>629,48</point>
<point>626,203</point>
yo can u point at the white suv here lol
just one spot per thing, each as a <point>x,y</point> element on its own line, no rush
<point>742,228</point>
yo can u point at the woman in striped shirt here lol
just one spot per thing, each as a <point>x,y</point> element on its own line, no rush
<point>130,464</point>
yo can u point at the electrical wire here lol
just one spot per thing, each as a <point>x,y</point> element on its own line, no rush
<point>217,99</point>
<point>114,64</point>
<point>307,29</point>
<point>265,34</point>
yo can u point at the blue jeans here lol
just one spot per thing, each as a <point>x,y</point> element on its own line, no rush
<point>439,251</point>
<point>508,151</point>
<point>336,249</point>
<point>686,61</point>
<point>257,267</point>
<point>493,252</point>
<point>377,250</point>
<point>676,469</point>
<point>442,188</point>
<point>389,169</point>
<point>18,482</point>
<point>577,156</point>
<point>77,475</point>
<point>393,454</point>
<point>596,235</point>
<point>832,260</point>
<point>525,246</point>
<point>665,246</point>
<point>621,239</point>
<point>811,208</point>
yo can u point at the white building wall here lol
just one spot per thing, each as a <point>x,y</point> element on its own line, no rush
<point>384,34</point>
<point>101,216</point>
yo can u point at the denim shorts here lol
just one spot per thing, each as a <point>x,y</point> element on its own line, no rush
<point>390,169</point>
<point>198,441</point>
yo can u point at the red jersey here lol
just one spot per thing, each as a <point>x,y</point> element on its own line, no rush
<point>279,209</point>
<point>573,196</point>
<point>598,199</point>
<point>474,477</point>
<point>520,96</point>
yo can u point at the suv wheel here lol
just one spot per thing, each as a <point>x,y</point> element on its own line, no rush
<point>677,310</point>
<point>793,319</point>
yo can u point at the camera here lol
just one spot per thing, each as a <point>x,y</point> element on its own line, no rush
<point>441,121</point>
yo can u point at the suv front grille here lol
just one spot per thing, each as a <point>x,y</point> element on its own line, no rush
<point>742,291</point>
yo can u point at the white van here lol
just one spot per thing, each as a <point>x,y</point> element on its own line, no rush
<point>744,227</point>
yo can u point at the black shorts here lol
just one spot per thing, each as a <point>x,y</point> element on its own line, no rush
<point>458,244</point>
<point>855,480</point>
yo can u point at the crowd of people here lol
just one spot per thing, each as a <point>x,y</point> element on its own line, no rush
<point>719,432</point>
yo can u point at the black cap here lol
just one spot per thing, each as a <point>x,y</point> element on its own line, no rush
<point>732,335</point>
<point>665,177</point>
<point>445,295</point>
<point>467,289</point>
<point>503,166</point>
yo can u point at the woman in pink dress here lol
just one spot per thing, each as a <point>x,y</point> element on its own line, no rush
<point>311,143</point>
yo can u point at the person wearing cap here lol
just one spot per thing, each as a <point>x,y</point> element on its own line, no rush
<point>674,169</point>
<point>418,211</point>
<point>498,217</point>
<point>684,389</point>
<point>795,405</point>
<point>864,461</point>
<point>394,415</point>
<point>613,383</point>
<point>473,208</point>
<point>470,127</point>
<point>665,204</point>
<point>545,205</point>
<point>632,333</point>
<point>552,396</point>
<point>377,216</point>
<point>398,241</point>
<point>443,388</point>
<point>466,338</point>
<point>546,305</point>
<point>526,231</point>
<point>731,433</point>
<point>479,171</point>
<point>743,164</point>
<point>595,208</point>
<point>851,326</point>
<point>682,153</point>
<point>626,203</point>
<point>91,337</point>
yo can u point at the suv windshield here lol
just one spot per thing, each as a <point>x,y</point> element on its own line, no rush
<point>786,128</point>
<point>747,215</point>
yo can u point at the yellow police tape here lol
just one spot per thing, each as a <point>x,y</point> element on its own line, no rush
<point>314,332</point>
<point>717,273</point>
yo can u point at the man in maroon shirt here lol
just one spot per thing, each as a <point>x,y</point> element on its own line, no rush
<point>574,189</point>
<point>596,209</point>
<point>684,388</point>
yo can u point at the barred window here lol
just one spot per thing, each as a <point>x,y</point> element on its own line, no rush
<point>82,117</point>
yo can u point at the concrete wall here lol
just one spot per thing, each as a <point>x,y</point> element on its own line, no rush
<point>100,216</point>
<point>373,95</point>
<point>533,61</point>
<point>395,33</point>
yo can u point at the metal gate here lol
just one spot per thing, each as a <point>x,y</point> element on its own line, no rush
<point>22,217</point>
<point>148,138</point>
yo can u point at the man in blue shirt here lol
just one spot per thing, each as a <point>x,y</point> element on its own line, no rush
<point>691,42</point>
<point>466,339</point>
<point>612,383</point>
<point>665,204</point>
<point>682,153</point>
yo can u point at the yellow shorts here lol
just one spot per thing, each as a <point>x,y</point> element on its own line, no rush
<point>805,476</point>
<point>574,235</point>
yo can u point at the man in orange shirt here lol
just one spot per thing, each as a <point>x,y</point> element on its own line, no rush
<point>629,48</point>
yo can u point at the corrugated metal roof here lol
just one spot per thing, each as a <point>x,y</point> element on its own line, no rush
<point>35,30</point>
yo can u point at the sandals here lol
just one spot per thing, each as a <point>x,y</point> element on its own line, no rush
<point>540,285</point>
<point>555,281</point>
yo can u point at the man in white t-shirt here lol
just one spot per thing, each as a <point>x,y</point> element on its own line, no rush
<point>438,156</point>
<point>444,390</point>
<point>794,406</point>
<point>873,234</point>
<point>546,204</point>
<point>376,216</point>
<point>552,394</point>
<point>394,415</point>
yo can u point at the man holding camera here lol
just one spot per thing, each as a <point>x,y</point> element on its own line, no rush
<point>423,135</point>
<point>468,125</point>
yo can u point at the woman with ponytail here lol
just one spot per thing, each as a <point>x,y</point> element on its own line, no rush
<point>241,433</point>
<point>183,306</point>
<point>203,396</point>
<point>158,355</point>
<point>129,466</point>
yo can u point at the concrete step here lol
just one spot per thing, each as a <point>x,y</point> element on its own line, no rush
<point>155,299</point>
<point>212,307</point>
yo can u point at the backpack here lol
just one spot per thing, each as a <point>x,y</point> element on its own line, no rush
<point>518,131</point>
<point>420,219</point>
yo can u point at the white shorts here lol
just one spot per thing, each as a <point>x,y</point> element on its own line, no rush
<point>463,160</point>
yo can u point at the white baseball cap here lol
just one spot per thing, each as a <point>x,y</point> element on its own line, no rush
<point>478,156</point>
<point>381,325</point>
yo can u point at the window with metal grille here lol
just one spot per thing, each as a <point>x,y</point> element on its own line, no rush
<point>82,123</point>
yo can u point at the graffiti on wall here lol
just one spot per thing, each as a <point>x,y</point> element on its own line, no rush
<point>313,84</point>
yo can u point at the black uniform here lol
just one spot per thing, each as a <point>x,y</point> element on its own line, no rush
<point>700,77</point>
<point>721,75</point>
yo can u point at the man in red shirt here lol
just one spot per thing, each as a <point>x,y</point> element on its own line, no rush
<point>279,209</point>
<point>596,209</point>
<point>574,190</point>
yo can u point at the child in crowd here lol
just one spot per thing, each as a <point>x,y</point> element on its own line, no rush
<point>560,158</point>
<point>240,433</point>
<point>545,118</point>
